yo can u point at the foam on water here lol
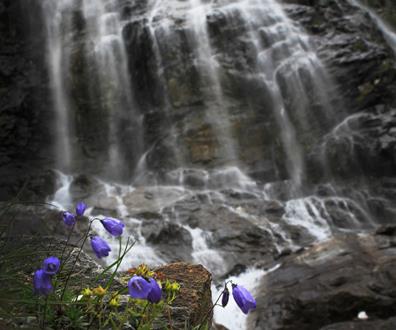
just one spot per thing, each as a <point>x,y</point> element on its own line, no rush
<point>306,213</point>
<point>62,198</point>
<point>204,255</point>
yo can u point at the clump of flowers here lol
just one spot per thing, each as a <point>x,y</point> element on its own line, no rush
<point>149,292</point>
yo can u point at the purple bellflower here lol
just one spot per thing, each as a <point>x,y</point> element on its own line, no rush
<point>80,208</point>
<point>113,226</point>
<point>155,293</point>
<point>69,218</point>
<point>51,265</point>
<point>243,298</point>
<point>100,247</point>
<point>42,283</point>
<point>225,297</point>
<point>138,287</point>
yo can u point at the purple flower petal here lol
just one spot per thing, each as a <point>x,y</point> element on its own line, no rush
<point>114,226</point>
<point>138,287</point>
<point>100,247</point>
<point>80,208</point>
<point>155,293</point>
<point>42,283</point>
<point>69,218</point>
<point>243,298</point>
<point>51,265</point>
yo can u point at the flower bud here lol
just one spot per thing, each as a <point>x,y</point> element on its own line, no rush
<point>80,208</point>
<point>226,297</point>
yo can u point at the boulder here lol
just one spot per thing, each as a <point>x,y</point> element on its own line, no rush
<point>193,304</point>
<point>328,285</point>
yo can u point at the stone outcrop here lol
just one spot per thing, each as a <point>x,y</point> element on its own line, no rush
<point>327,285</point>
<point>193,305</point>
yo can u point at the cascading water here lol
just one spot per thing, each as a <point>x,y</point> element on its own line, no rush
<point>208,68</point>
<point>90,79</point>
<point>178,102</point>
<point>99,123</point>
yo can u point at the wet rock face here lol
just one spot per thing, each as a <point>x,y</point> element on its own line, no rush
<point>168,74</point>
<point>384,8</point>
<point>353,48</point>
<point>173,91</point>
<point>172,241</point>
<point>327,285</point>
<point>358,58</point>
<point>25,118</point>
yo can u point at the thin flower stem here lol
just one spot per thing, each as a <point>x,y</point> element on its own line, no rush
<point>66,245</point>
<point>75,261</point>
<point>45,311</point>
<point>63,262</point>
<point>213,306</point>
<point>120,259</point>
<point>144,310</point>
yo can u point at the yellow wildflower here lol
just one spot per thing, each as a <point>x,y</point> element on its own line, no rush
<point>87,292</point>
<point>175,286</point>
<point>114,302</point>
<point>99,291</point>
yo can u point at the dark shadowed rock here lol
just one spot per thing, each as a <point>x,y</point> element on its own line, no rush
<point>170,240</point>
<point>389,324</point>
<point>326,286</point>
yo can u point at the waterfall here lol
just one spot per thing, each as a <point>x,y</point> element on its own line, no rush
<point>285,59</point>
<point>100,123</point>
<point>206,111</point>
<point>92,93</point>
<point>58,59</point>
<point>208,66</point>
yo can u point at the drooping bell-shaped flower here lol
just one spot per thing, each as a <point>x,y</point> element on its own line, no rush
<point>138,287</point>
<point>113,226</point>
<point>51,265</point>
<point>42,283</point>
<point>243,298</point>
<point>155,293</point>
<point>225,297</point>
<point>100,247</point>
<point>80,208</point>
<point>69,218</point>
